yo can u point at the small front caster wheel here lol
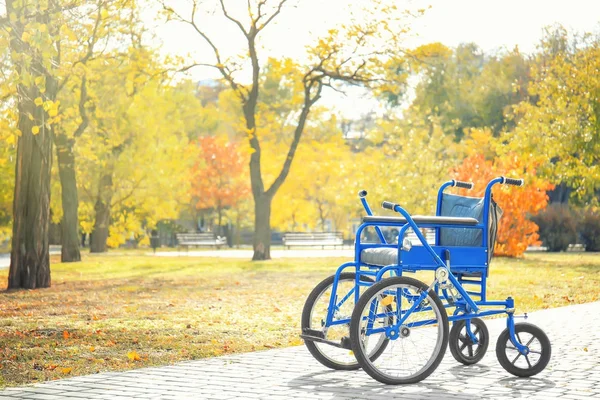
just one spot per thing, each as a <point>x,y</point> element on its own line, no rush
<point>462,347</point>
<point>537,355</point>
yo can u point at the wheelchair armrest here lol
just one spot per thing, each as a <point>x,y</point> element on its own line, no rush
<point>420,219</point>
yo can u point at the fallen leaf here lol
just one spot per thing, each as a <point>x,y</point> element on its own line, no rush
<point>65,335</point>
<point>133,356</point>
<point>92,348</point>
<point>66,370</point>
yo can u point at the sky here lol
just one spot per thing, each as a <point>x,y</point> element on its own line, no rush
<point>493,25</point>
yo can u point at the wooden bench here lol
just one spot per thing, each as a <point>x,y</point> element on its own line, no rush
<point>313,239</point>
<point>200,239</point>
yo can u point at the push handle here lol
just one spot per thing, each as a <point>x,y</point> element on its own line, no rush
<point>510,181</point>
<point>362,193</point>
<point>388,205</point>
<point>464,185</point>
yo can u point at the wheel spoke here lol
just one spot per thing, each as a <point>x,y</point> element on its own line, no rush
<point>470,347</point>
<point>530,340</point>
<point>463,346</point>
<point>535,352</point>
<point>476,331</point>
<point>516,358</point>
<point>528,363</point>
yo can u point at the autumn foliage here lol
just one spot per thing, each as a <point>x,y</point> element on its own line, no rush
<point>515,231</point>
<point>219,177</point>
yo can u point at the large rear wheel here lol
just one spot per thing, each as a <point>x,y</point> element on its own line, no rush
<point>412,318</point>
<point>314,317</point>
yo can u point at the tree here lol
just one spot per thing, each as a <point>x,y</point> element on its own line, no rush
<point>134,162</point>
<point>516,231</point>
<point>91,26</point>
<point>217,176</point>
<point>352,53</point>
<point>464,88</point>
<point>31,29</point>
<point>560,128</point>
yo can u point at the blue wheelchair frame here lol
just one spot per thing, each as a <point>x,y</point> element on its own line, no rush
<point>472,260</point>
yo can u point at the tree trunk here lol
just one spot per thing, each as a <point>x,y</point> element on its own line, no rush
<point>102,209</point>
<point>70,201</point>
<point>220,215</point>
<point>262,228</point>
<point>29,258</point>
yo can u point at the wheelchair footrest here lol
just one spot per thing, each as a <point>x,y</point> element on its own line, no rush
<point>318,336</point>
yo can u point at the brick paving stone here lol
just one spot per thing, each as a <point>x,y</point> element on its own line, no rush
<point>292,373</point>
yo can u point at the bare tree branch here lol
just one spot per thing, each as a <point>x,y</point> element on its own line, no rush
<point>238,23</point>
<point>85,120</point>
<point>310,85</point>
<point>276,13</point>
<point>225,72</point>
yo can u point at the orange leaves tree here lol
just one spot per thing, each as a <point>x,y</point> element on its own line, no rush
<point>219,176</point>
<point>515,231</point>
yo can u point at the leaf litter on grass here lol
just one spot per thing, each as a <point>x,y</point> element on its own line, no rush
<point>113,313</point>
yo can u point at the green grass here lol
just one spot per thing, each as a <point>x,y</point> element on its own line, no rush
<point>115,312</point>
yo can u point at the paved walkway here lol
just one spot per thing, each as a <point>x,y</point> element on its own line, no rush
<point>573,373</point>
<point>5,257</point>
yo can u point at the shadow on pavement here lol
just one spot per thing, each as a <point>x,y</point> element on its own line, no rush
<point>341,386</point>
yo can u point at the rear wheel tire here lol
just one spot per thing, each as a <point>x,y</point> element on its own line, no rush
<point>415,348</point>
<point>314,315</point>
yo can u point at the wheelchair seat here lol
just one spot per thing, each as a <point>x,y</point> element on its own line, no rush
<point>456,211</point>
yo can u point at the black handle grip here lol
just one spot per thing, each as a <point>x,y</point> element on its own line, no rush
<point>516,182</point>
<point>388,205</point>
<point>362,193</point>
<point>464,185</point>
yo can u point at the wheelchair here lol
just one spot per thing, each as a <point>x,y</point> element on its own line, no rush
<point>370,315</point>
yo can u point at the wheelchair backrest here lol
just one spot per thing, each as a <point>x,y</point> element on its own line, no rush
<point>462,206</point>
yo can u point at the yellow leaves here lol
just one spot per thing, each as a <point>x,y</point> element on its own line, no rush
<point>92,349</point>
<point>66,370</point>
<point>133,356</point>
<point>66,31</point>
<point>38,101</point>
<point>35,130</point>
<point>386,301</point>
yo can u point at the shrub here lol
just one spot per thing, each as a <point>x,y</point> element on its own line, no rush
<point>516,231</point>
<point>558,227</point>
<point>589,229</point>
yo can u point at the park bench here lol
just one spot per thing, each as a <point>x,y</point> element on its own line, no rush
<point>576,247</point>
<point>200,239</point>
<point>428,233</point>
<point>313,239</point>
